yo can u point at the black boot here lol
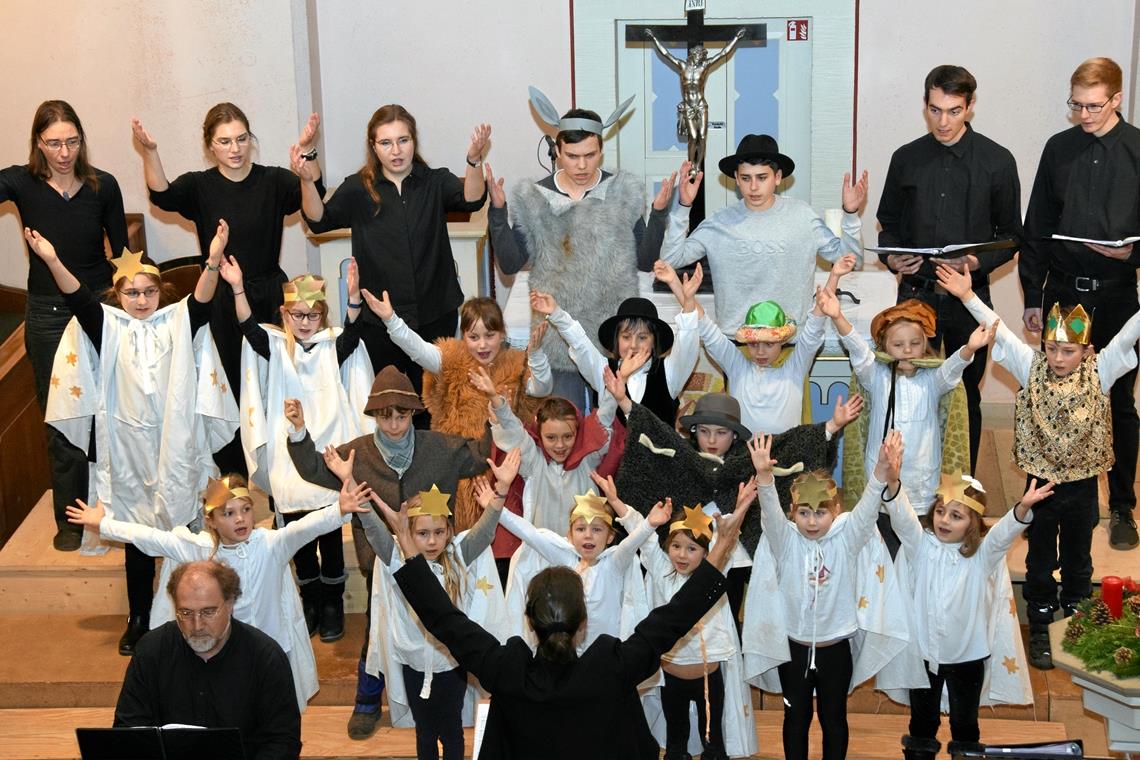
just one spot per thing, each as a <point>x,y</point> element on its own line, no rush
<point>332,611</point>
<point>1040,650</point>
<point>957,748</point>
<point>311,602</point>
<point>918,748</point>
<point>137,625</point>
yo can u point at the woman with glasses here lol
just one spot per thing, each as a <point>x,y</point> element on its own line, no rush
<point>130,375</point>
<point>328,371</point>
<point>254,199</point>
<point>60,193</point>
<point>397,206</point>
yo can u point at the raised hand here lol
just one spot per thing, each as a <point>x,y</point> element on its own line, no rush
<point>381,307</point>
<point>399,525</point>
<point>981,336</point>
<point>486,496</point>
<point>660,513</point>
<point>628,365</point>
<point>480,138</point>
<point>537,333</point>
<point>827,303</point>
<point>40,245</point>
<point>760,449</point>
<point>543,303</point>
<point>889,464</point>
<point>845,413</point>
<point>609,490</point>
<point>1034,495</point>
<point>309,133</point>
<point>661,200</point>
<point>687,188</point>
<point>295,413</point>
<point>691,284</point>
<point>506,471</point>
<point>142,135</point>
<point>615,384</point>
<point>844,265</point>
<point>494,187</point>
<point>664,272</point>
<point>854,193</point>
<point>957,284</point>
<point>231,272</point>
<point>218,243</point>
<point>88,517</point>
<point>481,380</point>
<point>337,464</point>
<point>746,494</point>
<point>353,281</point>
<point>354,498</point>
<point>301,166</point>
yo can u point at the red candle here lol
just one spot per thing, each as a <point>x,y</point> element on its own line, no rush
<point>1112,592</point>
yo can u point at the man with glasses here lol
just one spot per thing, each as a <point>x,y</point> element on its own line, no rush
<point>206,669</point>
<point>952,185</point>
<point>1088,186</point>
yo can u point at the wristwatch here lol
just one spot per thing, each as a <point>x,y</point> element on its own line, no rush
<point>310,156</point>
<point>474,164</point>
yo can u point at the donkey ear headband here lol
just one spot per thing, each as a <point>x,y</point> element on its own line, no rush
<point>548,113</point>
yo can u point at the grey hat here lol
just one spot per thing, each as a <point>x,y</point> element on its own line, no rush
<point>717,409</point>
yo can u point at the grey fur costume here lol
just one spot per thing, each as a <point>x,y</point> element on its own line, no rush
<point>690,478</point>
<point>584,254</point>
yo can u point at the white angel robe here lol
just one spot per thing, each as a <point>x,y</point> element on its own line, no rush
<point>160,405</point>
<point>397,637</point>
<point>269,599</point>
<point>333,398</point>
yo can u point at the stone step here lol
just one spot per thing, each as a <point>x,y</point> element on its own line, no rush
<point>49,734</point>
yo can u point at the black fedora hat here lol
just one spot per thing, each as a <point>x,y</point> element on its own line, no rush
<point>754,149</point>
<point>637,308</point>
<point>717,409</point>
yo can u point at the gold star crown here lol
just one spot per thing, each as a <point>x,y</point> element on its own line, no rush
<point>812,490</point>
<point>696,522</point>
<point>129,264</point>
<point>218,492</point>
<point>953,488</point>
<point>589,506</point>
<point>308,290</point>
<point>433,503</point>
<point>1074,327</point>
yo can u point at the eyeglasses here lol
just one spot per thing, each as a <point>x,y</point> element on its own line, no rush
<point>1090,107</point>
<point>55,146</point>
<point>206,615</point>
<point>225,142</point>
<point>302,316</point>
<point>389,144</point>
<point>150,292</point>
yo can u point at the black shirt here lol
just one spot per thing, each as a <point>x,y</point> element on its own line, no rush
<point>248,685</point>
<point>75,227</point>
<point>346,342</point>
<point>402,245</point>
<point>936,195</point>
<point>1086,186</point>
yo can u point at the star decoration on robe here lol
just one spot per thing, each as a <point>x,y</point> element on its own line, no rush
<point>483,585</point>
<point>1010,664</point>
<point>213,377</point>
<point>54,381</point>
<point>249,375</point>
<point>1012,606</point>
<point>250,412</point>
<point>864,603</point>
<point>433,503</point>
<point>880,572</point>
<point>72,358</point>
<point>76,391</point>
<point>223,388</point>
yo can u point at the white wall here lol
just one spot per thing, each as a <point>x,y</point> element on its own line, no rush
<point>166,62</point>
<point>1022,58</point>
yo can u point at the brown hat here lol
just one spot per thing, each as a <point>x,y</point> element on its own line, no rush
<point>717,409</point>
<point>911,310</point>
<point>392,388</point>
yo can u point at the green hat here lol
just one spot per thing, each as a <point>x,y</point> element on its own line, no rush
<point>766,323</point>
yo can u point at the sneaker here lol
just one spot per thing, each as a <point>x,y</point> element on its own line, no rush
<point>1122,531</point>
<point>1040,654</point>
<point>67,539</point>
<point>363,724</point>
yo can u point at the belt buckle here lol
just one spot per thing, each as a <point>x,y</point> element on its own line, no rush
<point>1091,284</point>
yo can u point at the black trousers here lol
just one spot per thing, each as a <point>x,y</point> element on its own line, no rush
<point>1110,308</point>
<point>676,694</point>
<point>963,682</point>
<point>383,351</point>
<point>330,567</point>
<point>830,680</point>
<point>737,578</point>
<point>439,718</point>
<point>1071,512</point>
<point>955,323</point>
<point>140,581</point>
<point>44,321</point>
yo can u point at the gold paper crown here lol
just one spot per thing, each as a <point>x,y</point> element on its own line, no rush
<point>1074,327</point>
<point>953,488</point>
<point>308,289</point>
<point>432,504</point>
<point>218,492</point>
<point>696,522</point>
<point>129,264</point>
<point>812,490</point>
<point>589,506</point>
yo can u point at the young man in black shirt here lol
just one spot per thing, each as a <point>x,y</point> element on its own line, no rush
<point>949,186</point>
<point>1088,186</point>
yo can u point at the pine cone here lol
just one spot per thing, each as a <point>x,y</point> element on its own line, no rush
<point>1133,604</point>
<point>1074,632</point>
<point>1100,613</point>
<point>1123,656</point>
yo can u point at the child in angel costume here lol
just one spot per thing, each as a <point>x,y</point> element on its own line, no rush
<point>135,375</point>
